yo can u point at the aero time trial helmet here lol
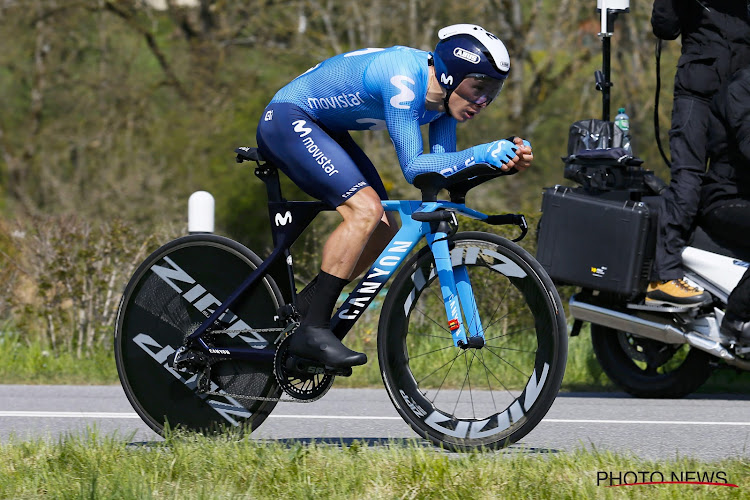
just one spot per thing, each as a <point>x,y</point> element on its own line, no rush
<point>468,50</point>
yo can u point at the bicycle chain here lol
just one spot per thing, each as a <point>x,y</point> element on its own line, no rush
<point>262,398</point>
<point>258,398</point>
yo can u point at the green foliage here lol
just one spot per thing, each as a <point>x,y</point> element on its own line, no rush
<point>71,276</point>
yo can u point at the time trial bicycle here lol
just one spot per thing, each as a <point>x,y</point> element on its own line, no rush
<point>472,337</point>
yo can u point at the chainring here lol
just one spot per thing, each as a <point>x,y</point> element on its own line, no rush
<point>297,385</point>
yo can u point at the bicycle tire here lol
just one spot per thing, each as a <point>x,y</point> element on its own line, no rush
<point>168,297</point>
<point>647,368</point>
<point>526,363</point>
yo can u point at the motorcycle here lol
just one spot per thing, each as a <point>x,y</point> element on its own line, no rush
<point>600,236</point>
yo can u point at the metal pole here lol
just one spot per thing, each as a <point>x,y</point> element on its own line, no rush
<point>607,70</point>
<point>606,35</point>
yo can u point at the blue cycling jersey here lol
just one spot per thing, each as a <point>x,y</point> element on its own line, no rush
<point>373,89</point>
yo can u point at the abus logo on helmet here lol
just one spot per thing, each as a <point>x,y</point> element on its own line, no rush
<point>466,55</point>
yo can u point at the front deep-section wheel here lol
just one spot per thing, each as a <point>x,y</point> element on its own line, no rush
<point>489,396</point>
<point>168,297</point>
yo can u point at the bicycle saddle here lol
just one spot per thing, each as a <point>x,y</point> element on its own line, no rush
<point>246,153</point>
<point>458,184</point>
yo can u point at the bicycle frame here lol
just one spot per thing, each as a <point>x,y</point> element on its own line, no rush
<point>290,218</point>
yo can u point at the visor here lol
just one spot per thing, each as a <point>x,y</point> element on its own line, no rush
<point>479,89</point>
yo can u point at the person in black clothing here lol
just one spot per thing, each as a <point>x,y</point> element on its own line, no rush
<point>715,44</point>
<point>725,194</point>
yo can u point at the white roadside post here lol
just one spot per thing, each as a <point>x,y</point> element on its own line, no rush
<point>201,212</point>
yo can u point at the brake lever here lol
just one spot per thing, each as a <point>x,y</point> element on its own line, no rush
<point>515,219</point>
<point>521,223</point>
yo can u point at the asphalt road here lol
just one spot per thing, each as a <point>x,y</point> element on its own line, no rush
<point>700,426</point>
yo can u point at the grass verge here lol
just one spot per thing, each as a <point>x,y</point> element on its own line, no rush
<point>192,466</point>
<point>33,363</point>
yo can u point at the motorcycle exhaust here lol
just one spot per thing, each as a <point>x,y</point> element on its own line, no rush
<point>626,322</point>
<point>651,329</point>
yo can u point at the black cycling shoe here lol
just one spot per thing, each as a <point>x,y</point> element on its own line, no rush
<point>321,345</point>
<point>734,326</point>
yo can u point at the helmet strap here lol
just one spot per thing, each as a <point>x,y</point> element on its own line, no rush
<point>445,101</point>
<point>435,99</point>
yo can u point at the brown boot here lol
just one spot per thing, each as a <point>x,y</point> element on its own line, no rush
<point>675,293</point>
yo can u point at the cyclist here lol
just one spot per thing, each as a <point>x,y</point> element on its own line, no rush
<point>304,130</point>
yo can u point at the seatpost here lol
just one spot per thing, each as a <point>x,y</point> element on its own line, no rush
<point>270,177</point>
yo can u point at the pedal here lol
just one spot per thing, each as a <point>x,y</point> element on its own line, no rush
<point>305,368</point>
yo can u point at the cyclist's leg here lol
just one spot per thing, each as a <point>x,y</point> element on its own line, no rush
<point>383,234</point>
<point>319,165</point>
<point>388,226</point>
<point>380,237</point>
<point>361,214</point>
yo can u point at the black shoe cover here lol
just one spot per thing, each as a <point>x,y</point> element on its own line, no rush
<point>321,345</point>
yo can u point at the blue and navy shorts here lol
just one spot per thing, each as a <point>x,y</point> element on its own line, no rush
<point>327,165</point>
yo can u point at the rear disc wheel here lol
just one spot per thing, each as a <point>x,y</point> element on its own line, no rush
<point>168,297</point>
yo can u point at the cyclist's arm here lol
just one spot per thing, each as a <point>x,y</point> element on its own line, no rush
<point>443,135</point>
<point>401,88</point>
<point>407,139</point>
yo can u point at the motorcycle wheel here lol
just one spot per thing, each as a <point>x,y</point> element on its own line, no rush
<point>647,368</point>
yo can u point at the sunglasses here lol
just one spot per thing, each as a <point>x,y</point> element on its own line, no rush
<point>479,89</point>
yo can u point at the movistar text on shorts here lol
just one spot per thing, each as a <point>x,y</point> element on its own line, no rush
<point>318,155</point>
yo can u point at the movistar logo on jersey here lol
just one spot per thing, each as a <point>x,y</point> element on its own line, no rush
<point>337,101</point>
<point>299,127</point>
<point>466,55</point>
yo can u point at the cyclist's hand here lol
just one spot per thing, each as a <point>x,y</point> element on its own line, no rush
<point>524,153</point>
<point>501,154</point>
